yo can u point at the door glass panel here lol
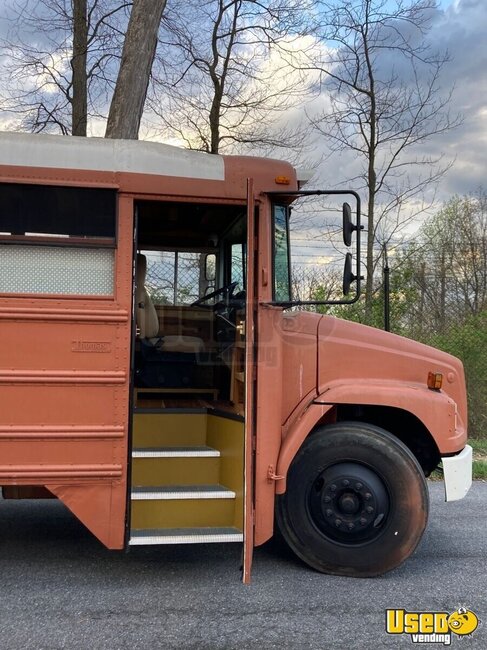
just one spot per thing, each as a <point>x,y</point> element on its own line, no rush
<point>282,288</point>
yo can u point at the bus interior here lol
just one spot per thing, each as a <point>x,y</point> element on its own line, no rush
<point>187,470</point>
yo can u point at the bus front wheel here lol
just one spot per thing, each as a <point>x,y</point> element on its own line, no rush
<point>356,502</point>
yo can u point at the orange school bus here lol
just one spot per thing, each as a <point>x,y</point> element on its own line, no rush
<point>157,377</point>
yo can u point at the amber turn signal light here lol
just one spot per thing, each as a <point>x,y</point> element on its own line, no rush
<point>282,180</point>
<point>435,380</point>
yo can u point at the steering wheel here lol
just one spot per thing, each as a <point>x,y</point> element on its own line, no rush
<point>228,289</point>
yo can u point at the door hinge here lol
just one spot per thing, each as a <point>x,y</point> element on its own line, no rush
<point>272,476</point>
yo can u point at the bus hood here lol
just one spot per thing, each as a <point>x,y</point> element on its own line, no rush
<point>350,354</point>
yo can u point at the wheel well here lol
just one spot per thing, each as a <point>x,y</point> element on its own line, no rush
<point>399,423</point>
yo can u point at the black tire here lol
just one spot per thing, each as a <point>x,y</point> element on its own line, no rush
<point>356,502</point>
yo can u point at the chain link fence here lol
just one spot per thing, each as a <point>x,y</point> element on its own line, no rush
<point>467,340</point>
<point>459,331</point>
<point>176,278</point>
<point>462,333</point>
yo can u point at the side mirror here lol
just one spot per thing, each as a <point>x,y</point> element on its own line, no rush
<point>348,226</point>
<point>348,276</point>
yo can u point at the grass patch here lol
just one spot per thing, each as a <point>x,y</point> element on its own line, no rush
<point>479,446</point>
<point>480,470</point>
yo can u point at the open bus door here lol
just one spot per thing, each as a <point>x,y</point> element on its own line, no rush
<point>250,319</point>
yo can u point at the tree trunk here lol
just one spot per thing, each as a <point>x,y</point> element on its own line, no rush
<point>79,100</point>
<point>138,54</point>
<point>371,176</point>
<point>214,120</point>
<point>372,188</point>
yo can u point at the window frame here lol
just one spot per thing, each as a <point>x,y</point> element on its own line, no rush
<point>66,241</point>
<point>290,196</point>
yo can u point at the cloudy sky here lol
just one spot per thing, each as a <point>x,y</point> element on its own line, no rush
<point>461,27</point>
<point>462,30</point>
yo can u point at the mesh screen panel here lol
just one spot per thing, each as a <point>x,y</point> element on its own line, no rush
<point>56,270</point>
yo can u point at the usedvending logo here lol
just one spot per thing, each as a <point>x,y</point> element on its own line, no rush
<point>432,627</point>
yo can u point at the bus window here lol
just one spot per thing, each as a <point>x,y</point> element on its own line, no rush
<point>178,277</point>
<point>57,240</point>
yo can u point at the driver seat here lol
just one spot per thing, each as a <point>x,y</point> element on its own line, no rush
<point>148,321</point>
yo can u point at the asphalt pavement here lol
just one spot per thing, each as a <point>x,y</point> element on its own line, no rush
<point>60,589</point>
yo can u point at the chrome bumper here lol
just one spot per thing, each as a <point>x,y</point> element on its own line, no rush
<point>457,472</point>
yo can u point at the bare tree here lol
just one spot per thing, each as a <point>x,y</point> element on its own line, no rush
<point>62,57</point>
<point>382,82</point>
<point>59,61</point>
<point>138,53</point>
<point>222,83</point>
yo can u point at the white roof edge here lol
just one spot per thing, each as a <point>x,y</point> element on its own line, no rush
<point>303,176</point>
<point>103,154</point>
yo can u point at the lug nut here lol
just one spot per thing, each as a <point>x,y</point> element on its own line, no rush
<point>363,521</point>
<point>329,512</point>
<point>358,486</point>
<point>338,523</point>
<point>351,526</point>
<point>369,510</point>
<point>327,499</point>
<point>346,483</point>
<point>367,496</point>
<point>333,487</point>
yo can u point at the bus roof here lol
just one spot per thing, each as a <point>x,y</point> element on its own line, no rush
<point>107,155</point>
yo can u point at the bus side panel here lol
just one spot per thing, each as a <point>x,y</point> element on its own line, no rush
<point>64,393</point>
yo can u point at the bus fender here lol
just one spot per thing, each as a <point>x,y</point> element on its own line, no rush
<point>434,409</point>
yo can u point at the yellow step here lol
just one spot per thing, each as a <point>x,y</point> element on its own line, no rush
<point>170,470</point>
<point>192,506</point>
<point>169,429</point>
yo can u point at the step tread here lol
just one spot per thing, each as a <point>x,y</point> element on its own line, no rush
<point>182,492</point>
<point>175,452</point>
<point>184,536</point>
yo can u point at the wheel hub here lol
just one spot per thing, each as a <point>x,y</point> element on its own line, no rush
<point>349,503</point>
